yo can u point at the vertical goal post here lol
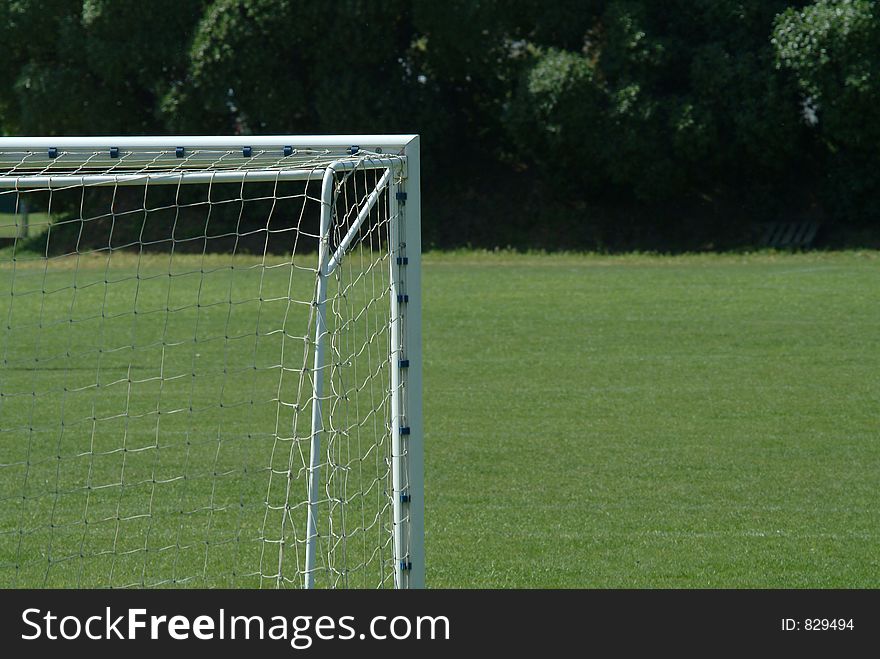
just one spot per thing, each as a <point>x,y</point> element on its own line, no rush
<point>364,191</point>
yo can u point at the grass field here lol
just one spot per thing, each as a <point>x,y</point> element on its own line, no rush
<point>698,421</point>
<point>627,421</point>
<point>9,224</point>
<point>142,440</point>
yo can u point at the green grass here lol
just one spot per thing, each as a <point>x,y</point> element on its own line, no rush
<point>637,421</point>
<point>591,421</point>
<point>9,224</point>
<point>142,441</point>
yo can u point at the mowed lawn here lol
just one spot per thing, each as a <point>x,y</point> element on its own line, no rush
<point>152,409</point>
<point>11,224</point>
<point>591,421</point>
<point>640,421</point>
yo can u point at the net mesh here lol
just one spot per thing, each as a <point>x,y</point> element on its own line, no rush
<point>156,373</point>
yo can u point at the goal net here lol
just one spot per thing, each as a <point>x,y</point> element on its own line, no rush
<point>210,363</point>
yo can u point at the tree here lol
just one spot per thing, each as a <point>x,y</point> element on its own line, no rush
<point>92,66</point>
<point>833,49</point>
<point>284,66</point>
<point>662,100</point>
<point>663,109</point>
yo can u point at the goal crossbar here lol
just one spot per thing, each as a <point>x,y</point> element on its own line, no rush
<point>377,143</point>
<point>62,181</point>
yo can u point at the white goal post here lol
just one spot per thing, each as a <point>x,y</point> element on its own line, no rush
<point>210,363</point>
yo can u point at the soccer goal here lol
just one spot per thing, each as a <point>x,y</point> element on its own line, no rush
<point>210,364</point>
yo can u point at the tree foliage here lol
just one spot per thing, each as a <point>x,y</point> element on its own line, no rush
<point>833,49</point>
<point>739,108</point>
<point>91,66</point>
